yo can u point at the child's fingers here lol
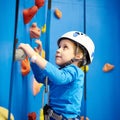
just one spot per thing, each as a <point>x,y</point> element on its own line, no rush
<point>27,49</point>
<point>38,42</point>
<point>39,47</point>
<point>36,50</point>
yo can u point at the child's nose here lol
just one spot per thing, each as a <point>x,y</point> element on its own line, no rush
<point>59,50</point>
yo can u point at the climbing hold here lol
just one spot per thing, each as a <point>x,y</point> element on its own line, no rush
<point>82,118</point>
<point>36,87</point>
<point>34,31</point>
<point>19,54</point>
<point>43,29</point>
<point>41,114</point>
<point>43,53</point>
<point>85,69</point>
<point>4,114</point>
<point>108,67</point>
<point>58,13</point>
<point>32,116</point>
<point>25,66</point>
<point>29,13</point>
<point>39,3</point>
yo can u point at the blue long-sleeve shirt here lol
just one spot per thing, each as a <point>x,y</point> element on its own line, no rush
<point>66,88</point>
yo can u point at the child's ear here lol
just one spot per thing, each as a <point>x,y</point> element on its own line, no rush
<point>79,56</point>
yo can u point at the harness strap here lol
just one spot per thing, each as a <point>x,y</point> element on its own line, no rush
<point>49,113</point>
<point>54,115</point>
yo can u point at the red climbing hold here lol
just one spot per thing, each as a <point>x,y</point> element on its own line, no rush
<point>29,13</point>
<point>39,3</point>
<point>32,116</point>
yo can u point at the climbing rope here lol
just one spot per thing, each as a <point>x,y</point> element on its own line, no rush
<point>13,57</point>
<point>85,73</point>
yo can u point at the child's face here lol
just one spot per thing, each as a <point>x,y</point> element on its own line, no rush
<point>65,52</point>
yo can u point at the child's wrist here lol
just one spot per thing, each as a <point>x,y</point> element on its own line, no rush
<point>34,57</point>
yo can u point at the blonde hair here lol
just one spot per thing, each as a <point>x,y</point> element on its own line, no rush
<point>79,50</point>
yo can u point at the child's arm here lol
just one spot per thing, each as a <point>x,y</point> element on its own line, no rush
<point>31,53</point>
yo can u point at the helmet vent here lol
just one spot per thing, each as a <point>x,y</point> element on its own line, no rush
<point>76,34</point>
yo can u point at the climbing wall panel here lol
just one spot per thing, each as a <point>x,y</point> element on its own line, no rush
<point>6,49</point>
<point>23,100</point>
<point>102,87</point>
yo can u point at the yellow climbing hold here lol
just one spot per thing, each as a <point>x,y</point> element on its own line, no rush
<point>4,114</point>
<point>41,114</point>
<point>43,53</point>
<point>43,29</point>
<point>83,68</point>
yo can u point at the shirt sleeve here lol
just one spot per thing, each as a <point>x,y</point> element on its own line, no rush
<point>38,73</point>
<point>61,76</point>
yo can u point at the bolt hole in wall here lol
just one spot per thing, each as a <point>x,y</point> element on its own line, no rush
<point>102,24</point>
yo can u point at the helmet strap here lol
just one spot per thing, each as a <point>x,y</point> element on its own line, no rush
<point>70,62</point>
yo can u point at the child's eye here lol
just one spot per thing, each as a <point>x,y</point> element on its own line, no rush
<point>65,47</point>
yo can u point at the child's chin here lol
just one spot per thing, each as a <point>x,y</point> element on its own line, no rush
<point>59,64</point>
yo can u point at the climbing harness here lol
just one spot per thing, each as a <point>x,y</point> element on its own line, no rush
<point>49,113</point>
<point>47,110</point>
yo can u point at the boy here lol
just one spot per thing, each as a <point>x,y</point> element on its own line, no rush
<point>75,50</point>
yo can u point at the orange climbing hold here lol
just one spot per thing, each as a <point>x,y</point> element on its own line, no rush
<point>36,87</point>
<point>58,13</point>
<point>35,31</point>
<point>39,3</point>
<point>29,13</point>
<point>108,67</point>
<point>82,118</point>
<point>25,66</point>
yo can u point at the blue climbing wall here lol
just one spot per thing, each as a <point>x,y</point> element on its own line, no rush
<point>102,25</point>
<point>18,96</point>
<point>7,37</point>
<point>103,88</point>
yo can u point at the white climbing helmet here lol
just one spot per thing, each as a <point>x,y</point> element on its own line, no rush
<point>83,40</point>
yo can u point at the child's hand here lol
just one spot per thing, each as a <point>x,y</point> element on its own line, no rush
<point>38,49</point>
<point>27,49</point>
